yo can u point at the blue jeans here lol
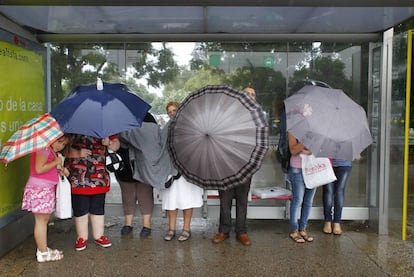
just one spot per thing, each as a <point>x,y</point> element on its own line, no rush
<point>302,200</point>
<point>335,193</point>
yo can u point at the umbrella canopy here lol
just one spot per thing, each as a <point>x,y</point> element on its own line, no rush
<point>32,136</point>
<point>100,111</point>
<point>218,137</point>
<point>328,122</point>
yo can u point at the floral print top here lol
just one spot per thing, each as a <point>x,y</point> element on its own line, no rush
<point>88,175</point>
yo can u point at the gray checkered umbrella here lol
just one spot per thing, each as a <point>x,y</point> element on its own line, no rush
<point>218,137</point>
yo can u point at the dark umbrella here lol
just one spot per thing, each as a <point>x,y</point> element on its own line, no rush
<point>218,137</point>
<point>100,111</point>
<point>328,122</point>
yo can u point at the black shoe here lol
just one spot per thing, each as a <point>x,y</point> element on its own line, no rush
<point>145,232</point>
<point>126,230</point>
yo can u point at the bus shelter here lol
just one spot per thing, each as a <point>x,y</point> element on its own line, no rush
<point>361,47</point>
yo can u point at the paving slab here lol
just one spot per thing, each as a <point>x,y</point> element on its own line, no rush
<point>357,252</point>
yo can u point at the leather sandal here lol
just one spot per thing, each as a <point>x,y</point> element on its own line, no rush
<point>306,236</point>
<point>169,235</point>
<point>185,235</point>
<point>296,237</point>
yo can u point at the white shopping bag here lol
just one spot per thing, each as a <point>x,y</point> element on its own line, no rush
<point>63,199</point>
<point>316,171</point>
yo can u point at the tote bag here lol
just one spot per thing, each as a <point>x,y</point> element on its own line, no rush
<point>63,199</point>
<point>316,171</point>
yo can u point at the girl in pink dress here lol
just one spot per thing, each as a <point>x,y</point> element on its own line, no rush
<point>40,194</point>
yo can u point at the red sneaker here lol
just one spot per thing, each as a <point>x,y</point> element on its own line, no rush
<point>103,241</point>
<point>80,244</point>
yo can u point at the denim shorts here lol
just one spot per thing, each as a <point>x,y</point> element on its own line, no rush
<point>92,204</point>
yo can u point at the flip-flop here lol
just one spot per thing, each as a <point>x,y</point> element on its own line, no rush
<point>185,235</point>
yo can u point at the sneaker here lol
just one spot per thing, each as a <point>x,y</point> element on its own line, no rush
<point>126,230</point>
<point>80,244</point>
<point>103,241</point>
<point>145,232</point>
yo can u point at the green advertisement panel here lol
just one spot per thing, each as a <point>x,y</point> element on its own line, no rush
<point>21,98</point>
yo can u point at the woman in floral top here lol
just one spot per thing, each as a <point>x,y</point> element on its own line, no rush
<point>90,183</point>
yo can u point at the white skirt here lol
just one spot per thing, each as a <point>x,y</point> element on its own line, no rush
<point>182,195</point>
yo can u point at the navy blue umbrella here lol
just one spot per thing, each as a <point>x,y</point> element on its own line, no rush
<point>100,111</point>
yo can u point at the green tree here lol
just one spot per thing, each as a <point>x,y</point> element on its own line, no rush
<point>187,82</point>
<point>204,77</point>
<point>140,90</point>
<point>326,69</point>
<point>73,66</point>
<point>158,67</point>
<point>268,83</point>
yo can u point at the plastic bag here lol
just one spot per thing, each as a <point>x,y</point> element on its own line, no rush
<point>316,171</point>
<point>63,199</point>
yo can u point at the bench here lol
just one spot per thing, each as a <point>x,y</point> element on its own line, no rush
<point>262,212</point>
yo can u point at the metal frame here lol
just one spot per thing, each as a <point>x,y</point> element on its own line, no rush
<point>279,3</point>
<point>102,38</point>
<point>385,132</point>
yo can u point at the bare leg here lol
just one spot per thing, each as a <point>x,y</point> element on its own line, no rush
<point>187,213</point>
<point>186,232</point>
<point>97,223</point>
<point>147,220</point>
<point>128,219</point>
<point>40,231</point>
<point>172,218</point>
<point>81,224</point>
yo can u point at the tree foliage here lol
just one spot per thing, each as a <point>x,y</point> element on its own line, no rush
<point>82,64</point>
<point>75,65</point>
<point>326,69</point>
<point>158,67</point>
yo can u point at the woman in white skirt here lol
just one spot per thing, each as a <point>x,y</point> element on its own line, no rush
<point>185,196</point>
<point>181,195</point>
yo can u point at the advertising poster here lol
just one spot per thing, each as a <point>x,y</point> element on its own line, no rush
<point>21,98</point>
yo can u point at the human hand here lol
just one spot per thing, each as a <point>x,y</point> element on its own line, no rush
<point>85,152</point>
<point>64,171</point>
<point>306,151</point>
<point>106,141</point>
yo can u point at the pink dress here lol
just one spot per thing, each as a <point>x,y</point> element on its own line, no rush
<point>40,191</point>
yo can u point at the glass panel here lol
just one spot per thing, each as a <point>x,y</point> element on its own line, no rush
<point>338,66</point>
<point>375,123</point>
<point>162,72</point>
<point>397,122</point>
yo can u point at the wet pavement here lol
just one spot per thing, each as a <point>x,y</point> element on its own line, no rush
<point>358,252</point>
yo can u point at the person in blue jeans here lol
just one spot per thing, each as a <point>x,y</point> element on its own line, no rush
<point>302,198</point>
<point>333,196</point>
